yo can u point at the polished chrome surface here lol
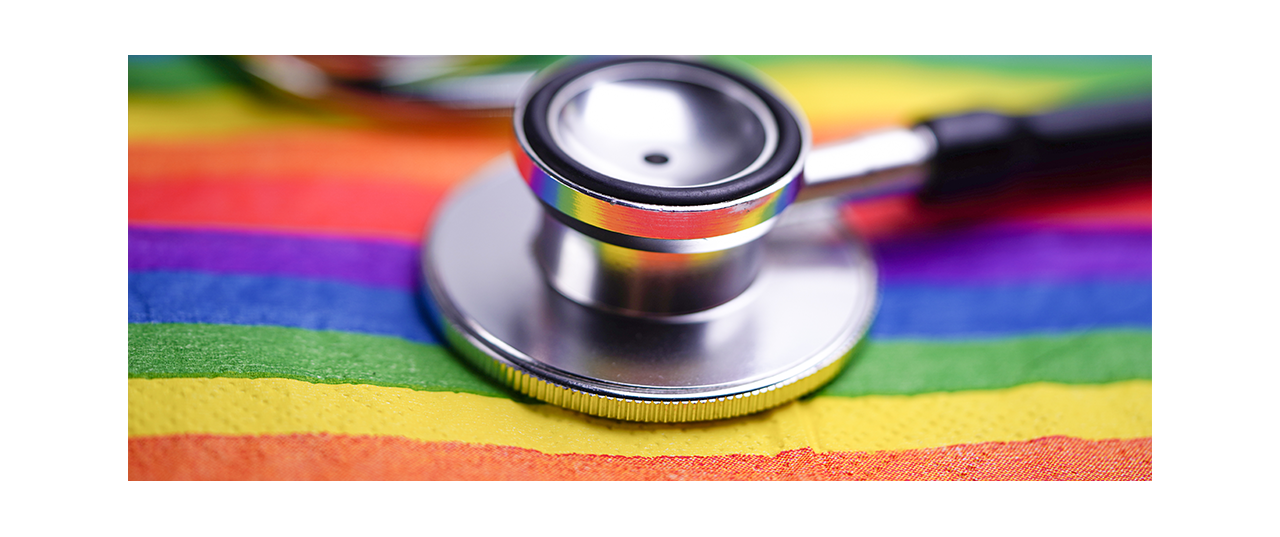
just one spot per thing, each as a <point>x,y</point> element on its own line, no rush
<point>662,124</point>
<point>656,226</point>
<point>810,303</point>
<point>718,310</point>
<point>693,246</point>
<point>876,163</point>
<point>639,282</point>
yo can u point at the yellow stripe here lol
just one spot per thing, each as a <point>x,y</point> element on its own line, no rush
<point>832,95</point>
<point>218,113</point>
<point>279,406</point>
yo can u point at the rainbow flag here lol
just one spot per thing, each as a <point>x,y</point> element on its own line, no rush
<point>275,330</point>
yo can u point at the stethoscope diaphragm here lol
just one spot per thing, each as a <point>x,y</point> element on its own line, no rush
<point>633,260</point>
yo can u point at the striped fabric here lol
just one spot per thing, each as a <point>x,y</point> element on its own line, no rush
<point>275,329</point>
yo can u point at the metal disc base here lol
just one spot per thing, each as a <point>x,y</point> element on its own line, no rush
<point>788,334</point>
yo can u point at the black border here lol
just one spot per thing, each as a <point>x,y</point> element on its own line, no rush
<point>537,134</point>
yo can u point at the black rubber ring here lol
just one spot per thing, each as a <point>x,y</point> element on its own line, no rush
<point>538,135</point>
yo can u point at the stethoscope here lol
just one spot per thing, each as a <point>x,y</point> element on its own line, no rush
<point>657,248</point>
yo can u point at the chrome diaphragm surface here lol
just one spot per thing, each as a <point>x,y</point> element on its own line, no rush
<point>689,129</point>
<point>632,259</point>
<point>658,148</point>
<point>789,332</point>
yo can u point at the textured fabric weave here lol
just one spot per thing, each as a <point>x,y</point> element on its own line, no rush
<point>274,330</point>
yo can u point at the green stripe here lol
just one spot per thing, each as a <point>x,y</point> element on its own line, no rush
<point>211,350</point>
<point>884,368</point>
<point>908,367</point>
<point>1092,78</point>
<point>1014,66</point>
<point>1098,76</point>
<point>175,74</point>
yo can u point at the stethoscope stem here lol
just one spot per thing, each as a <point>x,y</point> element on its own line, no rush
<point>970,153</point>
<point>671,276</point>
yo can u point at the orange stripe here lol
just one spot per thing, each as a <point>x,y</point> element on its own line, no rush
<point>340,457</point>
<point>377,210</point>
<point>1123,203</point>
<point>402,210</point>
<point>826,132</point>
<point>355,156</point>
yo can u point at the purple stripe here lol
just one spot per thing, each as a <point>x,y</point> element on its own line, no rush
<point>1006,254</point>
<point>363,261</point>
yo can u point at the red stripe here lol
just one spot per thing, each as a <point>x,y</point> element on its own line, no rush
<point>352,155</point>
<point>1123,203</point>
<point>403,210</point>
<point>373,209</point>
<point>339,457</point>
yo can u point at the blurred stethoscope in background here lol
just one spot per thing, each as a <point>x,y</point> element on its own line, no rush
<point>657,249</point>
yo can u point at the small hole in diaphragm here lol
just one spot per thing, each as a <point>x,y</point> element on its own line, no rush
<point>656,158</point>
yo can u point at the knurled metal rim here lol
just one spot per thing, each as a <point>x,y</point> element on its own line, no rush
<point>642,410</point>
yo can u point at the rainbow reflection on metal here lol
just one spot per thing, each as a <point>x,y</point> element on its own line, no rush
<point>656,273</point>
<point>660,149</point>
<point>655,221</point>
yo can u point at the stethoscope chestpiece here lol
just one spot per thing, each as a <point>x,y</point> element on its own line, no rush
<point>661,149</point>
<point>652,276</point>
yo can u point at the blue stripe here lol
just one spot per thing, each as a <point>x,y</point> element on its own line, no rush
<point>942,312</point>
<point>192,297</point>
<point>907,311</point>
